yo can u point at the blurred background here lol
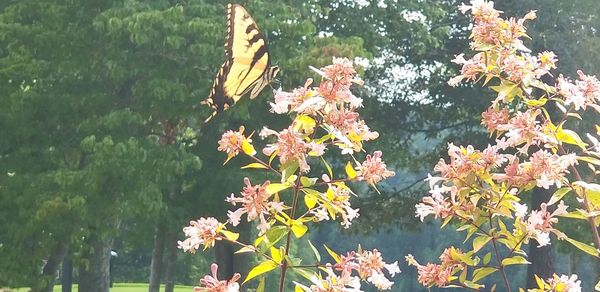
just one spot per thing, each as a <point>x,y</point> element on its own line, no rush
<point>102,145</point>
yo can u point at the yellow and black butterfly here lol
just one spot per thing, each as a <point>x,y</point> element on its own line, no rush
<point>247,68</point>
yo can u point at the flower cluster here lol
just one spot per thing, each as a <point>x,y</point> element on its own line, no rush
<point>562,283</point>
<point>439,275</point>
<point>481,189</point>
<point>324,116</point>
<point>350,269</point>
<point>204,231</point>
<point>212,284</point>
<point>256,203</point>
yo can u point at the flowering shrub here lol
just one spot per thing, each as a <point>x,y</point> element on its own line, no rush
<point>324,117</point>
<point>480,190</point>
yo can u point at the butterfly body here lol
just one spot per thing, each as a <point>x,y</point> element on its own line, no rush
<point>247,68</point>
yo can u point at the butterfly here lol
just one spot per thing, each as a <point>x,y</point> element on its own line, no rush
<point>248,65</point>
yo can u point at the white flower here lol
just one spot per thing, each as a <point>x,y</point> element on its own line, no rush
<point>520,210</point>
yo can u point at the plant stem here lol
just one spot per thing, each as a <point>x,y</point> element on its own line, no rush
<point>498,259</point>
<point>284,264</point>
<point>586,205</point>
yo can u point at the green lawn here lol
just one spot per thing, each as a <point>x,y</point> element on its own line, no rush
<point>123,287</point>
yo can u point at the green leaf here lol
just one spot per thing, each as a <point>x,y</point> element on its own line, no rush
<point>516,260</point>
<point>260,269</point>
<point>557,196</point>
<point>254,165</point>
<point>261,285</point>
<point>487,258</point>
<point>306,273</point>
<point>481,273</point>
<point>276,187</point>
<point>328,168</point>
<point>273,235</point>
<point>584,247</point>
<point>589,159</point>
<point>315,251</point>
<point>307,182</point>
<point>288,170</point>
<point>350,170</point>
<point>480,242</point>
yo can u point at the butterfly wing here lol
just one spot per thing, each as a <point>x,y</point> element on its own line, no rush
<point>247,67</point>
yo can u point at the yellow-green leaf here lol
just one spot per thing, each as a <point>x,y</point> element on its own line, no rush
<point>307,182</point>
<point>248,148</point>
<point>584,247</point>
<point>334,255</point>
<point>589,159</point>
<point>557,196</point>
<point>261,285</point>
<point>276,254</point>
<point>535,102</point>
<point>246,249</point>
<point>260,269</point>
<point>487,258</point>
<point>254,165</point>
<point>328,168</point>
<point>230,235</point>
<point>480,242</point>
<point>481,273</point>
<point>275,188</point>
<point>315,251</point>
<point>350,170</point>
<point>304,122</point>
<point>569,137</point>
<point>310,201</point>
<point>516,260</point>
<point>298,228</point>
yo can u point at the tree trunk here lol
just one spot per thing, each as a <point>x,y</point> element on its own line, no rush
<point>51,266</point>
<point>66,278</point>
<point>171,246</point>
<point>224,258</point>
<point>230,263</point>
<point>157,255</point>
<point>541,258</point>
<point>95,275</point>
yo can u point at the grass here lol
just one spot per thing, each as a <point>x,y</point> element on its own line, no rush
<point>122,287</point>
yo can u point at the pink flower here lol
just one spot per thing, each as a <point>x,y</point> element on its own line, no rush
<point>549,169</point>
<point>210,283</point>
<point>341,71</point>
<point>203,231</point>
<point>492,118</point>
<point>436,204</point>
<point>432,274</point>
<point>231,142</point>
<point>539,223</point>
<point>373,169</point>
<point>290,146</point>
<point>255,202</point>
